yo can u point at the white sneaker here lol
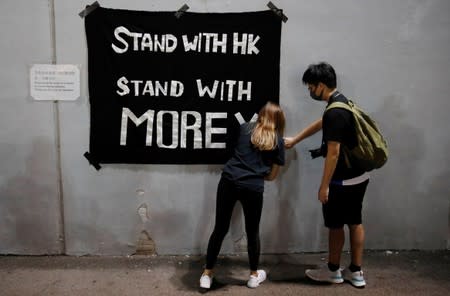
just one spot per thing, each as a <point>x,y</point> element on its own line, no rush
<point>254,281</point>
<point>323,274</point>
<point>205,281</point>
<point>355,278</point>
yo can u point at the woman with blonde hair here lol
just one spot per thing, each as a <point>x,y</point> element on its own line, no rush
<point>257,156</point>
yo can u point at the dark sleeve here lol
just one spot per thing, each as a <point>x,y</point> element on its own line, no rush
<point>335,125</point>
<point>279,155</point>
<point>232,139</point>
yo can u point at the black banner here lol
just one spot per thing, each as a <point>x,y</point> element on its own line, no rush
<point>173,90</point>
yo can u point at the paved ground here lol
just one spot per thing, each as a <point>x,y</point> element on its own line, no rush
<point>387,273</point>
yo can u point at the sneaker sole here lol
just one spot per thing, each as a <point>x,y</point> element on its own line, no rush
<point>358,286</point>
<point>331,281</point>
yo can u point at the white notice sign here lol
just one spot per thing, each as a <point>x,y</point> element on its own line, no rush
<point>54,82</point>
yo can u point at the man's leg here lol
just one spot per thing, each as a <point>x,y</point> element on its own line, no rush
<point>357,243</point>
<point>354,273</point>
<point>336,239</point>
<point>332,213</point>
<point>354,222</point>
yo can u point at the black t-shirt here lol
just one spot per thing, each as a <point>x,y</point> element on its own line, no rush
<point>338,125</point>
<point>248,166</point>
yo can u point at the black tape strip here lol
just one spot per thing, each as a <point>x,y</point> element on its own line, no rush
<point>181,11</point>
<point>89,9</point>
<point>92,161</point>
<point>277,11</point>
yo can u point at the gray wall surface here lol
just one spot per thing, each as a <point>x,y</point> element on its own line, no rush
<point>390,56</point>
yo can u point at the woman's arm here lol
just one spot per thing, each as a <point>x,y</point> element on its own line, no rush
<point>273,173</point>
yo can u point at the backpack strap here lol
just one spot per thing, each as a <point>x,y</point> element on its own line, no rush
<point>347,107</point>
<point>341,105</point>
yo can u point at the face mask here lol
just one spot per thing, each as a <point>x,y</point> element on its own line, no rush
<point>316,97</point>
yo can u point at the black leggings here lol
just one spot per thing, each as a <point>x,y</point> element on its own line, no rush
<point>227,195</point>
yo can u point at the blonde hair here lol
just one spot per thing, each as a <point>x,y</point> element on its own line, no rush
<point>270,125</point>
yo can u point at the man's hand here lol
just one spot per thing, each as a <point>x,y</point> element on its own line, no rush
<point>323,194</point>
<point>328,169</point>
<point>289,142</point>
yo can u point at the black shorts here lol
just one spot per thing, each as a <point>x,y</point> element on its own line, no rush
<point>344,205</point>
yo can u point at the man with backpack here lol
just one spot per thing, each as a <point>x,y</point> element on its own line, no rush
<point>344,182</point>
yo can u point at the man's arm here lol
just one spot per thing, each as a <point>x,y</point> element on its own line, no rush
<point>328,169</point>
<point>313,128</point>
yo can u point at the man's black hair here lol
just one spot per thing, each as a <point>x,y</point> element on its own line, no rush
<point>321,72</point>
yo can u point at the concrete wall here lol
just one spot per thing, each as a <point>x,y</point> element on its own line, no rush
<point>391,57</point>
<point>29,197</point>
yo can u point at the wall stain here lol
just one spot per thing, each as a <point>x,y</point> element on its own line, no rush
<point>145,244</point>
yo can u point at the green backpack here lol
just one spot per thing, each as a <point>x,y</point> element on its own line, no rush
<point>371,152</point>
